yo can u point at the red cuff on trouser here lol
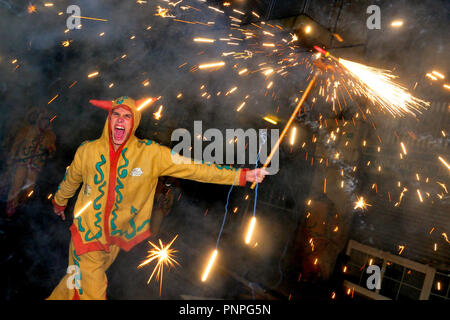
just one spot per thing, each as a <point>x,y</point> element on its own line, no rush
<point>243,178</point>
<point>56,206</point>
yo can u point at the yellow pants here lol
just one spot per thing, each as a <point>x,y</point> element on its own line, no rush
<point>86,275</point>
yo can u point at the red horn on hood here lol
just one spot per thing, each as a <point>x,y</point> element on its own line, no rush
<point>104,104</point>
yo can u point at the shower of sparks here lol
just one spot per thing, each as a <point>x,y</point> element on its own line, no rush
<point>294,129</point>
<point>212,65</point>
<point>377,85</point>
<point>31,9</point>
<point>93,74</point>
<point>209,266</point>
<point>400,198</point>
<point>444,162</point>
<point>164,256</point>
<point>361,204</point>
<point>397,23</point>
<point>250,229</point>
<point>157,115</point>
<point>82,209</point>
<point>145,103</point>
<point>403,148</point>
<point>420,195</point>
<point>270,120</point>
<point>438,74</point>
<point>240,106</point>
<point>445,236</point>
<point>206,40</point>
<point>53,99</point>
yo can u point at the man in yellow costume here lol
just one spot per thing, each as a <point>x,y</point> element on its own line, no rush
<point>118,174</point>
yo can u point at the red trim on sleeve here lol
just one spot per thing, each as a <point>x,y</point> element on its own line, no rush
<point>243,178</point>
<point>57,206</point>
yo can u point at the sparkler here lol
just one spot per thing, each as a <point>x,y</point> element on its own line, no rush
<point>164,255</point>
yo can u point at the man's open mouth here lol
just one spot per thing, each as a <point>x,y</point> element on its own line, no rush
<point>119,132</point>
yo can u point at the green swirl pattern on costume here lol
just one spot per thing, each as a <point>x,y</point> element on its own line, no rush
<point>130,235</point>
<point>80,227</point>
<point>147,142</point>
<point>99,170</point>
<point>96,205</point>
<point>113,225</point>
<point>122,174</point>
<point>99,233</point>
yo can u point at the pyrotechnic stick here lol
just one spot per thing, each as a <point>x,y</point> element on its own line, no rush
<point>289,123</point>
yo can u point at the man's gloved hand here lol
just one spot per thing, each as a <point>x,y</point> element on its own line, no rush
<point>59,210</point>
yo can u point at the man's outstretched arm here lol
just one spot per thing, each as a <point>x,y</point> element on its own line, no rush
<point>177,166</point>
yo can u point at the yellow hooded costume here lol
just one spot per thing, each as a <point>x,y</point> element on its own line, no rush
<point>119,187</point>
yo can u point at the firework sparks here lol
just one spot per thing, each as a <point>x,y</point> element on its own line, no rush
<point>420,195</point>
<point>250,229</point>
<point>397,23</point>
<point>82,209</point>
<point>164,256</point>
<point>146,103</point>
<point>401,196</point>
<point>157,115</point>
<point>268,119</point>
<point>209,266</point>
<point>361,204</point>
<point>377,85</point>
<point>403,148</point>
<point>93,74</point>
<point>205,40</point>
<point>293,134</point>
<point>212,65</point>
<point>444,162</point>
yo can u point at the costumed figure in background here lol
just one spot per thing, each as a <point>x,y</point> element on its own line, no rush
<point>32,146</point>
